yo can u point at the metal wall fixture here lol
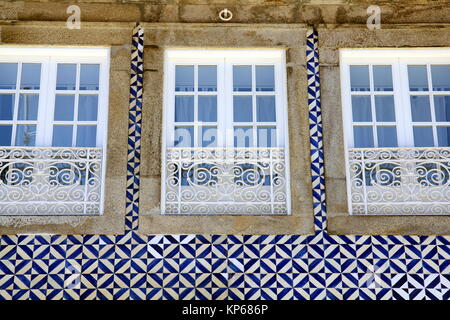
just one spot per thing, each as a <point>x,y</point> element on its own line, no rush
<point>225,15</point>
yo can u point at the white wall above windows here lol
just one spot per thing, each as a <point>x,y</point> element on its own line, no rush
<point>225,101</point>
<point>396,111</point>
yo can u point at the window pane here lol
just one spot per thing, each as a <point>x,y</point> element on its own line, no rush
<point>6,106</point>
<point>209,137</point>
<point>417,76</point>
<point>443,134</point>
<point>8,72</point>
<point>31,76</point>
<point>387,136</point>
<point>184,78</point>
<point>66,76</point>
<point>420,108</point>
<point>26,135</point>
<point>359,78</point>
<point>89,76</point>
<point>62,136</point>
<point>5,135</point>
<point>87,108</point>
<point>265,109</point>
<point>184,108</point>
<point>267,137</point>
<point>184,137</point>
<point>440,76</point>
<point>207,78</point>
<point>64,106</point>
<point>423,136</point>
<point>385,109</point>
<point>207,108</point>
<point>86,136</point>
<point>242,78</point>
<point>242,109</point>
<point>442,108</point>
<point>361,109</point>
<point>382,78</point>
<point>243,137</point>
<point>363,136</point>
<point>265,79</point>
<point>28,107</point>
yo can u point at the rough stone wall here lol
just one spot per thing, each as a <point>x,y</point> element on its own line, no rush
<point>118,38</point>
<point>217,36</point>
<point>312,12</point>
<point>331,40</point>
<point>255,23</point>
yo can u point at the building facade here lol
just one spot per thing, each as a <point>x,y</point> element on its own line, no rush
<point>178,150</point>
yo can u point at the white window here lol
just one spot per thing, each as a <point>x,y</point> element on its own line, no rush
<point>53,112</point>
<point>225,132</point>
<point>397,130</point>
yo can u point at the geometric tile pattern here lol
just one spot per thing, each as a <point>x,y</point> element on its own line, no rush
<point>315,130</point>
<point>228,267</point>
<point>134,129</point>
<point>222,267</point>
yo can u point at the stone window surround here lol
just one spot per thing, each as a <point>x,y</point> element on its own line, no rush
<point>339,221</point>
<point>224,61</point>
<point>151,221</point>
<point>293,40</point>
<point>112,220</point>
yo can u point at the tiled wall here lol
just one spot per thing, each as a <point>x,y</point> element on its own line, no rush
<point>131,266</point>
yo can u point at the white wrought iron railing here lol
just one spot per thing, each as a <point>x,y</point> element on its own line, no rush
<point>50,181</point>
<point>396,181</point>
<point>225,181</point>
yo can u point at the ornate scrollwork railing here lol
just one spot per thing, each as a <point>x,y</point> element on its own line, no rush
<point>225,181</point>
<point>395,181</point>
<point>50,181</point>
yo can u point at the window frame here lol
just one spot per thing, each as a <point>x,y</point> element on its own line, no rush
<point>399,59</point>
<point>49,57</point>
<point>209,56</point>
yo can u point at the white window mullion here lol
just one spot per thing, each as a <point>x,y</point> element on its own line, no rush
<point>228,105</point>
<point>75,109</point>
<point>45,109</point>
<point>16,105</point>
<point>223,121</point>
<point>372,106</point>
<point>402,104</point>
<point>254,122</point>
<point>431,98</point>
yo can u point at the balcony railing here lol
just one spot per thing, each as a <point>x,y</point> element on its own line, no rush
<point>225,181</point>
<point>396,181</point>
<point>50,181</point>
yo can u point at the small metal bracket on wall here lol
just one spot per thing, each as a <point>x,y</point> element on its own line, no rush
<point>225,15</point>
